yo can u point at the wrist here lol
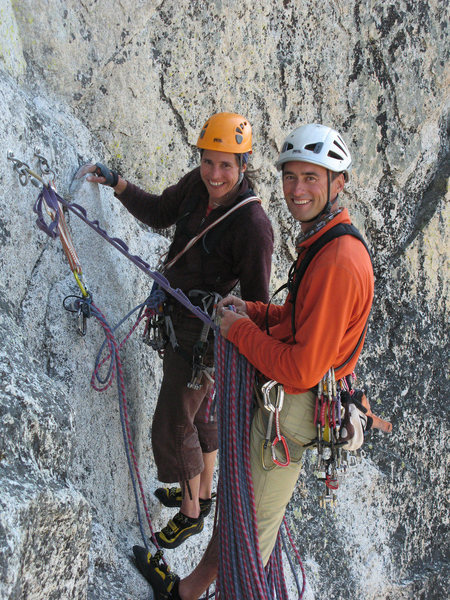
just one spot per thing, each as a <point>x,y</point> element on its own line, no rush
<point>121,185</point>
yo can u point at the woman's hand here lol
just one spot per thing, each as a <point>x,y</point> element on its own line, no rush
<point>103,175</point>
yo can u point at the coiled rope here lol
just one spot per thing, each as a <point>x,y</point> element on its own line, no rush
<point>241,571</point>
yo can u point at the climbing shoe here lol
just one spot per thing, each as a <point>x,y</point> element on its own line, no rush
<point>178,530</point>
<point>157,573</point>
<point>169,496</point>
<point>172,497</point>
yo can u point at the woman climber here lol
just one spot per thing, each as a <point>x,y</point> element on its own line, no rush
<point>236,249</point>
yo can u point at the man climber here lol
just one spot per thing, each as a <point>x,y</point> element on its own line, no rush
<point>331,308</point>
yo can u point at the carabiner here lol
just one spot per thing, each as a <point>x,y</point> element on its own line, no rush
<point>266,388</point>
<point>263,462</point>
<point>282,439</point>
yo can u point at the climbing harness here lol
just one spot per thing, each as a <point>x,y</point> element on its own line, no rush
<point>159,331</point>
<point>241,571</point>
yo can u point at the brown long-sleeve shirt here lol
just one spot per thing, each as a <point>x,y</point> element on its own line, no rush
<point>242,252</point>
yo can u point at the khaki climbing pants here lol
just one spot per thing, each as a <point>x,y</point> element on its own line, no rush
<point>274,485</point>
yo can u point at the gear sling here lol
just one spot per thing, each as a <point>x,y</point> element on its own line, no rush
<point>296,273</point>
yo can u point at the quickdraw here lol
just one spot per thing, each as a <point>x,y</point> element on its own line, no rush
<point>274,414</point>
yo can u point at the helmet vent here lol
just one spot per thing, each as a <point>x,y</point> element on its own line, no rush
<point>340,147</point>
<point>316,148</point>
<point>238,137</point>
<point>286,146</point>
<point>332,154</point>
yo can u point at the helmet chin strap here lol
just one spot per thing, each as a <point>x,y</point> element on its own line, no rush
<point>327,208</point>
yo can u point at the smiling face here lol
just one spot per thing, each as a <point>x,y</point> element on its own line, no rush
<point>305,189</point>
<point>220,173</point>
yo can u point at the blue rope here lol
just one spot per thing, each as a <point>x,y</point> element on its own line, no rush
<point>115,369</point>
<point>156,297</point>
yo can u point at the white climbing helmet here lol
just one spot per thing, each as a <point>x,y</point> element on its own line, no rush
<point>319,145</point>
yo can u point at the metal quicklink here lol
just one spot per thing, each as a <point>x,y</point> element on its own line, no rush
<point>44,167</point>
<point>209,302</point>
<point>24,172</point>
<point>274,410</point>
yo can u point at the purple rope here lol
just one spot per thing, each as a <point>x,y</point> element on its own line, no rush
<point>51,198</point>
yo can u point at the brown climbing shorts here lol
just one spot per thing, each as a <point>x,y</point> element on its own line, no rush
<point>180,433</point>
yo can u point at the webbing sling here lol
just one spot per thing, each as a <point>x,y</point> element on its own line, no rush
<point>296,274</point>
<point>204,231</point>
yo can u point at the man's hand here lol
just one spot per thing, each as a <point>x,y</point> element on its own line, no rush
<point>230,300</point>
<point>227,318</point>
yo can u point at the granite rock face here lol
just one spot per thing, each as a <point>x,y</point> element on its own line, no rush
<point>129,84</point>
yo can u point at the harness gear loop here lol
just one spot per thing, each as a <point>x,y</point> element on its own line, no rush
<point>209,301</point>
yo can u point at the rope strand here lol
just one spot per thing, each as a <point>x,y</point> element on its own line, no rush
<point>241,571</point>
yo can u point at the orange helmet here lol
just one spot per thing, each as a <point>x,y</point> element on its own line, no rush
<point>226,132</point>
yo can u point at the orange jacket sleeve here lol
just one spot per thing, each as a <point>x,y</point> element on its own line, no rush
<point>332,307</point>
